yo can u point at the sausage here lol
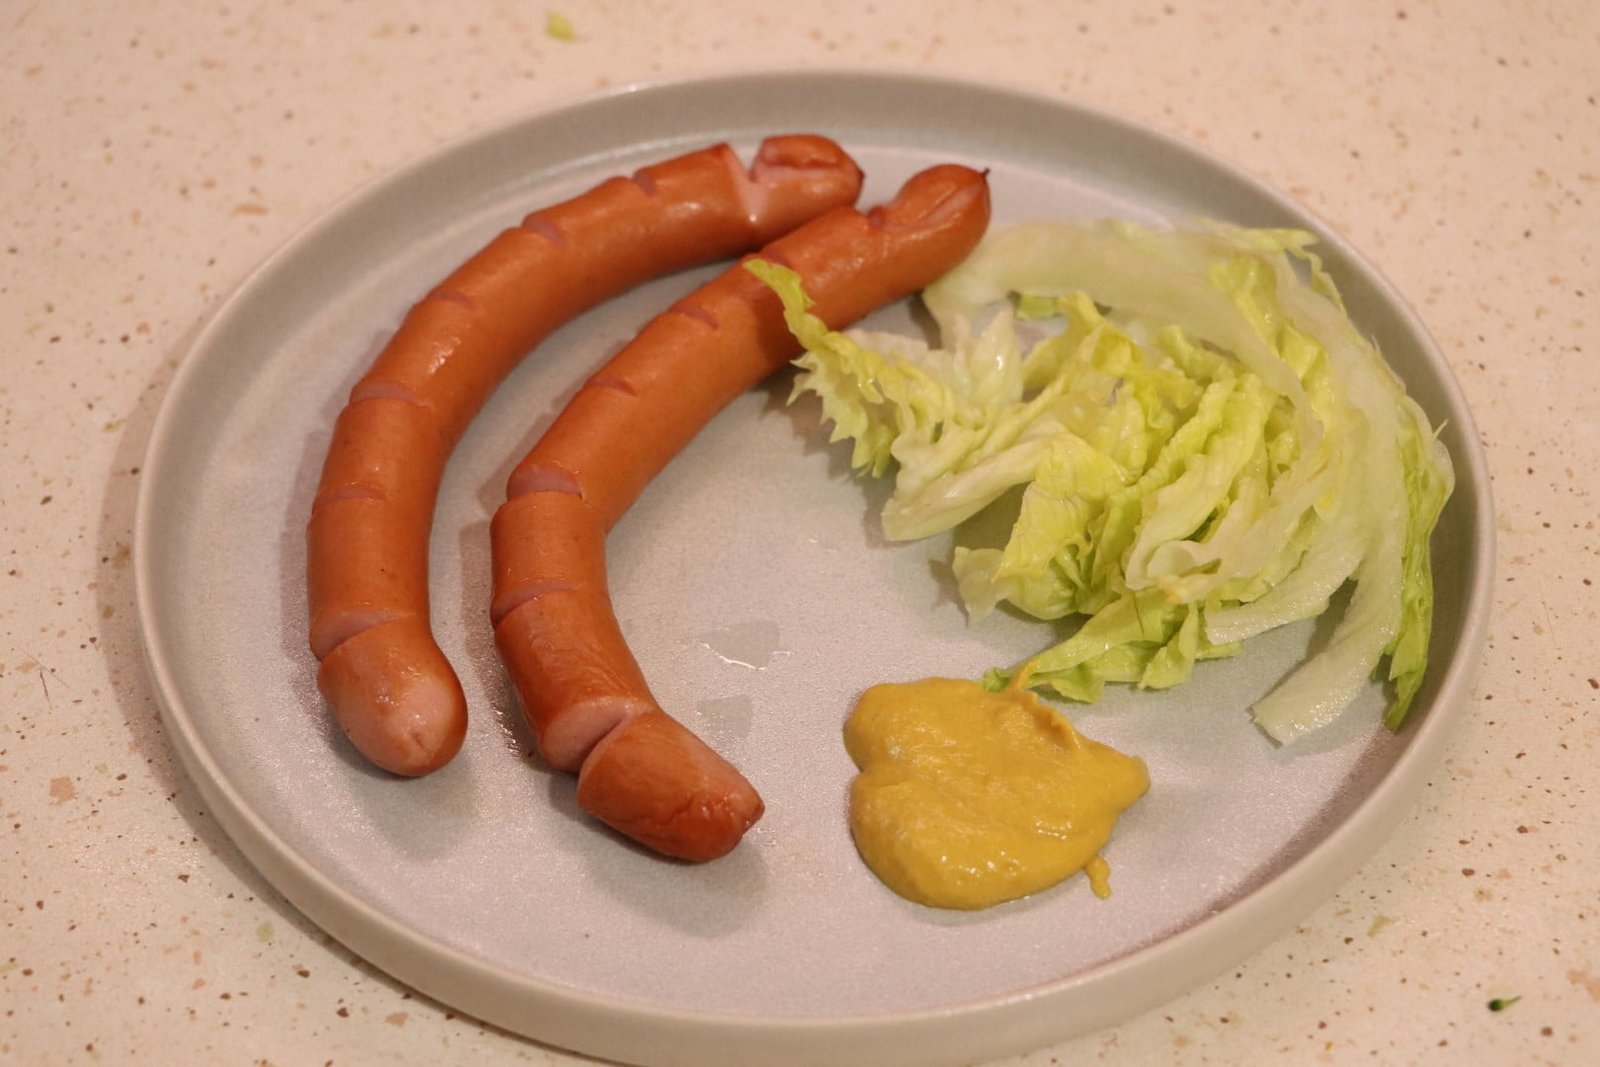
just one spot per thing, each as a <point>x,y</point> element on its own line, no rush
<point>585,698</point>
<point>391,689</point>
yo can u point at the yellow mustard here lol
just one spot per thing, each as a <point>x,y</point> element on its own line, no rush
<point>968,798</point>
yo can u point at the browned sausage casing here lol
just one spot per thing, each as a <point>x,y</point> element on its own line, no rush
<point>586,699</point>
<point>388,684</point>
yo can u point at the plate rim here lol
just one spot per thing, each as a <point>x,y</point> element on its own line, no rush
<point>636,1031</point>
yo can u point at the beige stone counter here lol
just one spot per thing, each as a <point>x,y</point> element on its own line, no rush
<point>153,152</point>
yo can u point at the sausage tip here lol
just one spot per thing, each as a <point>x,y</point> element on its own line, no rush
<point>804,151</point>
<point>933,197</point>
<point>395,697</point>
<point>654,781</point>
<point>825,172</point>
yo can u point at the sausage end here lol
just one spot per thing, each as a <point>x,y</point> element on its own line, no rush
<point>395,697</point>
<point>940,196</point>
<point>654,781</point>
<point>794,178</point>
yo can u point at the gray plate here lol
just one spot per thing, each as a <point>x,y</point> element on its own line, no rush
<point>760,598</point>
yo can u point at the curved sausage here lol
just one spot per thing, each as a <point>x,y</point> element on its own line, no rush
<point>590,709</point>
<point>389,686</point>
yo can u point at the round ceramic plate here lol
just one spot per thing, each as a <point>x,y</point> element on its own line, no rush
<point>760,598</point>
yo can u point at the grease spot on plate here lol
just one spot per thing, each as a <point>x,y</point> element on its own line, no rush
<point>753,643</point>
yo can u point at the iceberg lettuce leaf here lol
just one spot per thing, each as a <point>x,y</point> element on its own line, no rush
<point>1206,445</point>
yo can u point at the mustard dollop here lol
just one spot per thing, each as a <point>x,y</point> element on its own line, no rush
<point>968,798</point>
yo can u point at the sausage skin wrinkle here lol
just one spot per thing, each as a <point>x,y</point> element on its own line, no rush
<point>389,686</point>
<point>590,709</point>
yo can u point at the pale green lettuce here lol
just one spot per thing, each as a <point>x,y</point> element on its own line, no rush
<point>1198,443</point>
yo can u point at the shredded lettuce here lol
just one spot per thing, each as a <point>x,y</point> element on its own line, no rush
<point>1198,443</point>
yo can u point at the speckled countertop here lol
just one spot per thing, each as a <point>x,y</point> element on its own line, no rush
<point>153,152</point>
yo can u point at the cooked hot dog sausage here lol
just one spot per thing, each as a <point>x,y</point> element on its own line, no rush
<point>390,688</point>
<point>585,698</point>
